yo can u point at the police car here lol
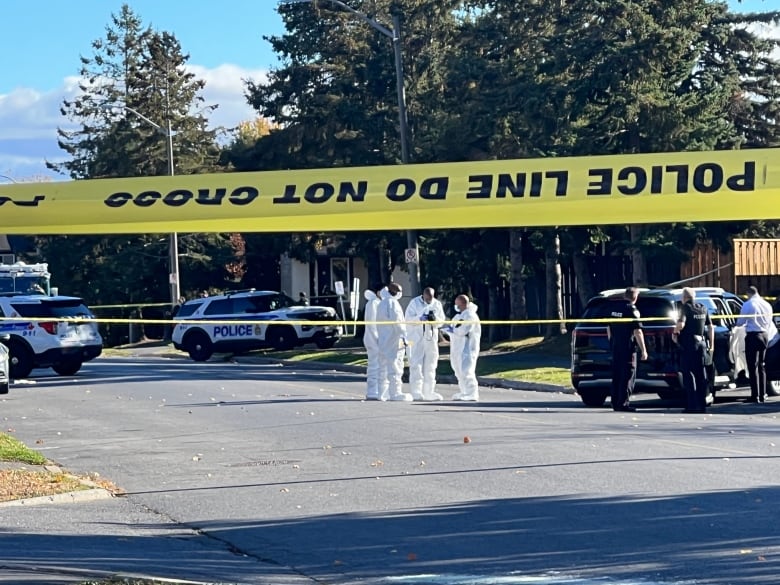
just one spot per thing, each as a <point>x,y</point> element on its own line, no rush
<point>241,321</point>
<point>44,332</point>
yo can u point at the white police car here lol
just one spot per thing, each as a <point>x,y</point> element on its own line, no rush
<point>236,322</point>
<point>40,337</point>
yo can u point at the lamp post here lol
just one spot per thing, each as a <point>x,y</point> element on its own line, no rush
<point>173,244</point>
<point>394,34</point>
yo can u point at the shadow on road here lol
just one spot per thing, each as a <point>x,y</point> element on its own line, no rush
<point>735,541</point>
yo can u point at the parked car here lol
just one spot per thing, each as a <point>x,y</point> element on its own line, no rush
<point>242,321</point>
<point>45,332</point>
<point>591,357</point>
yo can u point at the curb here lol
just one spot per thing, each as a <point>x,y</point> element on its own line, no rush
<point>21,571</point>
<point>481,380</point>
<point>64,498</point>
<point>166,352</point>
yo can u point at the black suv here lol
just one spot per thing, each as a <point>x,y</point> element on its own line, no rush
<point>591,358</point>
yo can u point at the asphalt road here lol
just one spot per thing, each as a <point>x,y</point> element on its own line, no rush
<point>251,473</point>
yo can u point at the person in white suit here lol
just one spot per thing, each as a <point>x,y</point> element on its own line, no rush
<point>465,333</point>
<point>392,343</point>
<point>371,343</point>
<point>424,317</point>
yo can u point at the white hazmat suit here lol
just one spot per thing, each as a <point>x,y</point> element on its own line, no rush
<point>423,321</point>
<point>392,338</point>
<point>371,343</point>
<point>465,334</point>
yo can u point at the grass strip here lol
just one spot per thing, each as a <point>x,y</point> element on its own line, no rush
<point>13,450</point>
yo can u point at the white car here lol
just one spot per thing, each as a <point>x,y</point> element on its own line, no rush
<point>242,321</point>
<point>45,332</point>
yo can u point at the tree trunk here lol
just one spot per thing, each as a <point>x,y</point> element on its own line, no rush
<point>493,331</point>
<point>638,264</point>
<point>374,270</point>
<point>518,309</point>
<point>554,286</point>
<point>585,286</point>
<point>385,264</point>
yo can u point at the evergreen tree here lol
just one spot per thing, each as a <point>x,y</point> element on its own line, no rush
<point>505,79</point>
<point>136,94</point>
<point>334,99</point>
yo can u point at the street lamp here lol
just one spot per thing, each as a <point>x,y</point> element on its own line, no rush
<point>173,245</point>
<point>394,34</point>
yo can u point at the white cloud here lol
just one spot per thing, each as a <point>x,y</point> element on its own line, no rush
<point>29,118</point>
<point>225,87</point>
<point>27,113</point>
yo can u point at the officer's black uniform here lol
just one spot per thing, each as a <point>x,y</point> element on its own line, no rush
<point>693,355</point>
<point>624,348</point>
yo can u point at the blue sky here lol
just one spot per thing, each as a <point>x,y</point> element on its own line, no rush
<point>46,37</point>
<point>41,41</point>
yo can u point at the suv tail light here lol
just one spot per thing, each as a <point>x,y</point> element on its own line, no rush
<point>582,338</point>
<point>49,327</point>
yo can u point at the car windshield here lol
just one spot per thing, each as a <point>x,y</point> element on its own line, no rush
<point>272,302</point>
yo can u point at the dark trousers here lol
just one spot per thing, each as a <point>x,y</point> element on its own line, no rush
<point>623,378</point>
<point>694,375</point>
<point>755,355</point>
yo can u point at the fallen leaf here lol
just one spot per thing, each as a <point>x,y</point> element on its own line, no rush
<point>467,439</point>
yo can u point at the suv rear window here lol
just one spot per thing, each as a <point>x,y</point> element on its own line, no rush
<point>648,308</point>
<point>188,309</point>
<point>54,309</point>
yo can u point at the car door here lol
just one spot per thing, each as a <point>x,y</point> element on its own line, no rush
<point>736,336</point>
<point>723,321</point>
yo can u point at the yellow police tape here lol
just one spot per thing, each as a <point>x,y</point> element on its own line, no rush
<point>592,190</point>
<point>341,322</point>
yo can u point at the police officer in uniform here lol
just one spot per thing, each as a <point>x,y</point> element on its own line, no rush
<point>690,336</point>
<point>625,337</point>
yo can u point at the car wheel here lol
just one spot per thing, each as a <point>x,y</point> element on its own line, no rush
<point>20,360</point>
<point>199,346</point>
<point>670,395</point>
<point>773,388</point>
<point>4,388</point>
<point>325,343</point>
<point>281,337</point>
<point>592,397</point>
<point>67,368</point>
